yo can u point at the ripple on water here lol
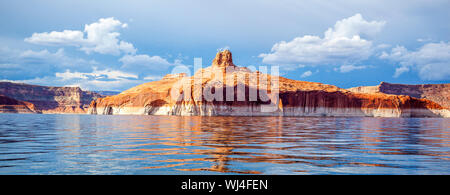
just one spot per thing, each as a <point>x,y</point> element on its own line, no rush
<point>89,144</point>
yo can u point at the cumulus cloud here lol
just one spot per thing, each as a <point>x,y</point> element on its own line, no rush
<point>345,43</point>
<point>98,79</point>
<point>306,74</point>
<point>349,68</point>
<point>84,83</point>
<point>96,75</point>
<point>66,37</point>
<point>152,77</point>
<point>144,65</point>
<point>400,70</point>
<point>108,85</point>
<point>101,37</point>
<point>18,64</point>
<point>144,61</point>
<point>431,61</point>
<point>44,67</point>
<point>223,48</point>
<point>56,68</point>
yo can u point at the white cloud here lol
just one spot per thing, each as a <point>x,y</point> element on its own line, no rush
<point>383,46</point>
<point>341,44</point>
<point>152,78</point>
<point>223,48</point>
<point>101,37</point>
<point>66,37</point>
<point>9,66</point>
<point>400,70</point>
<point>71,75</point>
<point>44,55</point>
<point>424,39</point>
<point>432,60</point>
<point>85,84</point>
<point>106,79</point>
<point>144,63</point>
<point>435,71</point>
<point>30,63</point>
<point>354,26</point>
<point>96,74</point>
<point>55,68</point>
<point>111,85</point>
<point>144,60</point>
<point>291,67</point>
<point>349,68</point>
<point>56,60</point>
<point>306,74</point>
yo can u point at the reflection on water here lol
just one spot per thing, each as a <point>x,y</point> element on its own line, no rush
<point>89,144</point>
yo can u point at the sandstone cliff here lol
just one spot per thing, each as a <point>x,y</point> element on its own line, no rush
<point>439,93</point>
<point>10,105</point>
<point>276,96</point>
<point>50,99</point>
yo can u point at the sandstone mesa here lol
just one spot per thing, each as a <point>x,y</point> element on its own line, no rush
<point>296,98</point>
<point>10,105</point>
<point>49,99</point>
<point>439,93</point>
<point>179,94</point>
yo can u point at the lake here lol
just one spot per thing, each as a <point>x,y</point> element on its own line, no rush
<point>96,144</point>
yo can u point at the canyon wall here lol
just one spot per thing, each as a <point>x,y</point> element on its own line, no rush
<point>10,105</point>
<point>182,95</point>
<point>50,99</point>
<point>438,93</point>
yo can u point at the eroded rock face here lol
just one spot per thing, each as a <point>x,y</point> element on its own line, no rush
<point>10,105</point>
<point>438,93</point>
<point>278,96</point>
<point>223,59</point>
<point>50,99</point>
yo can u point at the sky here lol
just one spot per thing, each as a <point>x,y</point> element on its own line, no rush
<point>114,45</point>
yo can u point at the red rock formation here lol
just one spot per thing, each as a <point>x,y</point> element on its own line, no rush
<point>10,105</point>
<point>439,93</point>
<point>223,59</point>
<point>50,99</point>
<point>182,95</point>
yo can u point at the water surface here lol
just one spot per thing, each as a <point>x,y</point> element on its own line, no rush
<point>91,144</point>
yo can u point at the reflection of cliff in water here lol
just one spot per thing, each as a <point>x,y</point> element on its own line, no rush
<point>86,144</point>
<point>219,144</point>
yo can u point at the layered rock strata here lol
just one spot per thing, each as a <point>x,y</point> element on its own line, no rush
<point>438,93</point>
<point>238,91</point>
<point>10,105</point>
<point>50,99</point>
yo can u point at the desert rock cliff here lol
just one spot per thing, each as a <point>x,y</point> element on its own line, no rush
<point>224,89</point>
<point>10,105</point>
<point>439,93</point>
<point>50,99</point>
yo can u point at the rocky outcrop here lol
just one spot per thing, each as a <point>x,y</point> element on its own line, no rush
<point>50,99</point>
<point>438,93</point>
<point>10,105</point>
<point>223,59</point>
<point>228,90</point>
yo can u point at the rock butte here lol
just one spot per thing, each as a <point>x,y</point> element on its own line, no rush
<point>296,98</point>
<point>439,93</point>
<point>50,99</point>
<point>10,105</point>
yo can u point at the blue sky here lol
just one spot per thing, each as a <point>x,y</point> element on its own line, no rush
<point>114,45</point>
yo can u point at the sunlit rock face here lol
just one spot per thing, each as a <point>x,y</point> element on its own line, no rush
<point>438,93</point>
<point>50,99</point>
<point>223,59</point>
<point>224,89</point>
<point>10,105</point>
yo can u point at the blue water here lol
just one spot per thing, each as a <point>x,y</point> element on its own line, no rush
<point>89,144</point>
